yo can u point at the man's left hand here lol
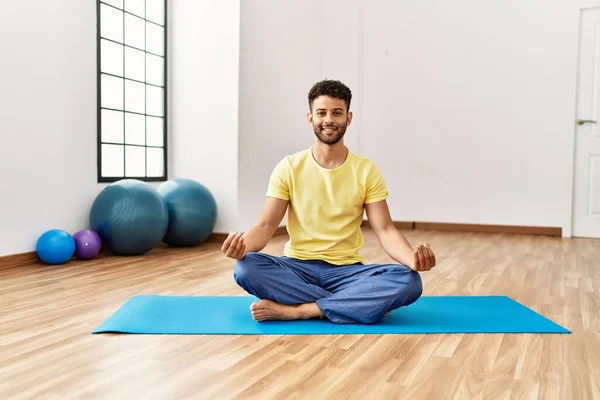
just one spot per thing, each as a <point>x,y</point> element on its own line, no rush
<point>423,257</point>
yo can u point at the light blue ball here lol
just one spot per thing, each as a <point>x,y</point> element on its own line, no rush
<point>55,246</point>
<point>130,217</point>
<point>192,212</point>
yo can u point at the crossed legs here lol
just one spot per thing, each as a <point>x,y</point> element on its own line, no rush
<point>297,289</point>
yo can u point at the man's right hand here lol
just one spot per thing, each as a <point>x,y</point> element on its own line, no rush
<point>234,246</point>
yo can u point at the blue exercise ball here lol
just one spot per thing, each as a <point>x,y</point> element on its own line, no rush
<point>130,217</point>
<point>192,212</point>
<point>55,246</point>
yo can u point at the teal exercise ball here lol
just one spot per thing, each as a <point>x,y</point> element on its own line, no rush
<point>55,246</point>
<point>192,212</point>
<point>130,217</point>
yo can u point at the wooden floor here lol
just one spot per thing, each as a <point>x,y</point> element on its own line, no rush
<point>48,312</point>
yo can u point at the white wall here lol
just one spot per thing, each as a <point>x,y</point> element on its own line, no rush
<point>451,103</point>
<point>203,75</point>
<point>469,108</point>
<point>48,112</point>
<point>47,119</point>
<point>287,46</point>
<point>258,57</point>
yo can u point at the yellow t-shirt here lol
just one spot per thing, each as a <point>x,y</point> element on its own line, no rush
<point>326,206</point>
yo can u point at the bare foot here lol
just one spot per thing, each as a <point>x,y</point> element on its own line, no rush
<point>386,314</point>
<point>265,310</point>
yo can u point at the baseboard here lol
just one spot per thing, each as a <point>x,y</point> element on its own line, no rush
<point>19,260</point>
<point>398,224</point>
<point>30,258</point>
<point>441,226</point>
<point>528,230</point>
<point>220,237</point>
<point>217,237</point>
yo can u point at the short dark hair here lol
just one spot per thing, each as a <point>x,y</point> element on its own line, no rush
<point>330,88</point>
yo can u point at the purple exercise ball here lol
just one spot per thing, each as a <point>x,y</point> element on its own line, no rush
<point>87,244</point>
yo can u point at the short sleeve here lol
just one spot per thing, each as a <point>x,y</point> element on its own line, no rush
<point>376,187</point>
<point>279,185</point>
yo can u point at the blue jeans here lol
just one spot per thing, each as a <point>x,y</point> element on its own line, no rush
<point>347,294</point>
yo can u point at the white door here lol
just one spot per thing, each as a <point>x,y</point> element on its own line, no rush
<point>586,196</point>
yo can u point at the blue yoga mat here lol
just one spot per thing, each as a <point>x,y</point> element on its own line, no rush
<point>151,314</point>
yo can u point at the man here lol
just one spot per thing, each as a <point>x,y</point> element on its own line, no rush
<point>327,189</point>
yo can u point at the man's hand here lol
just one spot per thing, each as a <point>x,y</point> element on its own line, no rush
<point>234,246</point>
<point>423,258</point>
<point>394,243</point>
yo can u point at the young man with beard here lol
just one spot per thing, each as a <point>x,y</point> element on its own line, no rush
<point>326,189</point>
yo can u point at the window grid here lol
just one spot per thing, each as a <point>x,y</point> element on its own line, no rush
<point>124,111</point>
<point>131,80</point>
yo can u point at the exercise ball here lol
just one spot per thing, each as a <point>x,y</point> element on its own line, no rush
<point>192,212</point>
<point>130,217</point>
<point>87,244</point>
<point>55,246</point>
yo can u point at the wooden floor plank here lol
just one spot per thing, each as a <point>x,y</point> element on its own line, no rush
<point>48,312</point>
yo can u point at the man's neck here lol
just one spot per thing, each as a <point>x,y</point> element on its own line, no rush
<point>329,156</point>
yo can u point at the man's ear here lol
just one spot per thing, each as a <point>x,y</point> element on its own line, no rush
<point>349,118</point>
<point>309,117</point>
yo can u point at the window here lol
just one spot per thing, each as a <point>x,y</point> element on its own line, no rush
<point>132,90</point>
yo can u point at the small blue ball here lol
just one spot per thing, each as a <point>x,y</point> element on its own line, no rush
<point>55,246</point>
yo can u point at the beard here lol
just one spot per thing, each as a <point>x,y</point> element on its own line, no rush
<point>331,138</point>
